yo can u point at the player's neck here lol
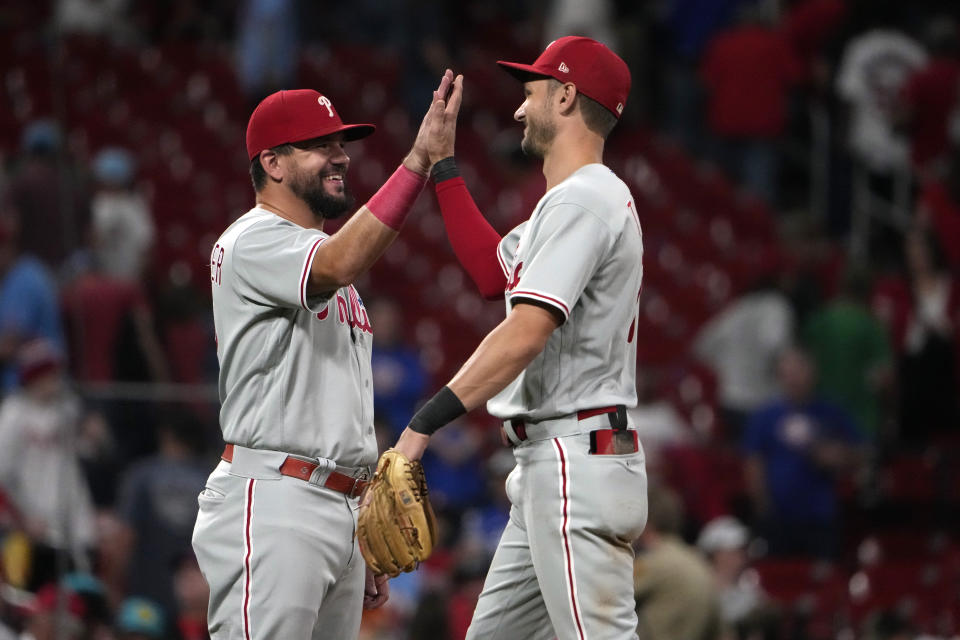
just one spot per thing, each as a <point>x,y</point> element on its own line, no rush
<point>289,207</point>
<point>568,153</point>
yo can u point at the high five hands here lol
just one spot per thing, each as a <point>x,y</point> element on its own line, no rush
<point>437,134</point>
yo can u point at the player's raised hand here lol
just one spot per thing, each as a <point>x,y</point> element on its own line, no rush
<point>442,129</point>
<point>419,159</point>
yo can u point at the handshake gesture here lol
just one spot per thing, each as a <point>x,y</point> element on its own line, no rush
<point>437,134</point>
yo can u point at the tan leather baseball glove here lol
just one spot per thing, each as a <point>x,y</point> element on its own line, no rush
<point>396,525</point>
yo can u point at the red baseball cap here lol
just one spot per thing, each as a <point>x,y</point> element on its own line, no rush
<point>296,115</point>
<point>38,358</point>
<point>597,71</point>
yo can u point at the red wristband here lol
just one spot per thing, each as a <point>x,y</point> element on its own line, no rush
<point>393,201</point>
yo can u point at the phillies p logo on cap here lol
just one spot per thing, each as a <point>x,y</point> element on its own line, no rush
<point>294,116</point>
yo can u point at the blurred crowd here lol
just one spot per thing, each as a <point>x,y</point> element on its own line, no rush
<point>802,421</point>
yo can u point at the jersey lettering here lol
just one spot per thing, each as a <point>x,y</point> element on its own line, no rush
<point>342,311</point>
<point>358,313</point>
<point>351,312</point>
<point>216,264</point>
<point>515,280</point>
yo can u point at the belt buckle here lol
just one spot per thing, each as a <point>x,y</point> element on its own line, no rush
<point>356,480</point>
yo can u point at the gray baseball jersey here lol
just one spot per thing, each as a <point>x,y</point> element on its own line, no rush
<point>279,552</point>
<point>295,371</point>
<point>564,566</point>
<point>581,253</point>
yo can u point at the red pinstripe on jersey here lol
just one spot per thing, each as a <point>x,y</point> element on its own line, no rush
<point>564,531</point>
<point>248,544</point>
<point>305,276</point>
<point>503,265</point>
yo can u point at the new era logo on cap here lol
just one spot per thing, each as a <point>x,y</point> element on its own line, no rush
<point>597,71</point>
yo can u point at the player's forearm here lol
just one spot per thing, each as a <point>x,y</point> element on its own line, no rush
<point>473,240</point>
<point>350,252</point>
<point>499,359</point>
<point>503,355</point>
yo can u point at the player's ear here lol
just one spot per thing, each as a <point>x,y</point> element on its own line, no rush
<point>270,162</point>
<point>567,98</point>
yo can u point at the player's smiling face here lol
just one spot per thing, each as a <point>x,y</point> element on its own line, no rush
<point>318,175</point>
<point>539,126</point>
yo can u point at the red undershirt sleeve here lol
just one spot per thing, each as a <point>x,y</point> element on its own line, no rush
<point>474,241</point>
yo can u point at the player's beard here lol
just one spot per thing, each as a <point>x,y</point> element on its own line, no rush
<point>311,189</point>
<point>539,136</point>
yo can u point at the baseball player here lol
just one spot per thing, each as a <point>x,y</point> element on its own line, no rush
<point>559,371</point>
<point>275,533</point>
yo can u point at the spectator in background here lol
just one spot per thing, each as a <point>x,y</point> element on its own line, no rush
<point>468,576</point>
<point>425,41</point>
<point>795,446</point>
<point>112,337</point>
<point>930,96</point>
<point>673,586</point>
<point>399,378</point>
<point>889,624</point>
<point>28,300</point>
<point>454,468</point>
<point>483,525</point>
<point>192,596</point>
<point>658,423</point>
<point>744,606</point>
<point>49,195</point>
<point>122,226</point>
<point>741,344</point>
<point>45,620</point>
<point>748,73</point>
<point>430,620</point>
<point>39,468</point>
<point>110,330</point>
<point>267,47</point>
<point>851,351</point>
<point>97,613</point>
<point>591,19</point>
<point>810,25</point>
<point>140,619</point>
<point>929,362</point>
<point>938,205</point>
<point>158,503</point>
<point>873,70</point>
<point>93,18</point>
<point>688,25</point>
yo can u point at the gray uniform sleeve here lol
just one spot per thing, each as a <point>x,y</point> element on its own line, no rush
<point>560,255</point>
<point>272,265</point>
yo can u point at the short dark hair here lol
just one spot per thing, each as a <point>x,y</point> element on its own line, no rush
<point>597,117</point>
<point>257,175</point>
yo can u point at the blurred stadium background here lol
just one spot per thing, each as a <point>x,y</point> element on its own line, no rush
<point>796,167</point>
